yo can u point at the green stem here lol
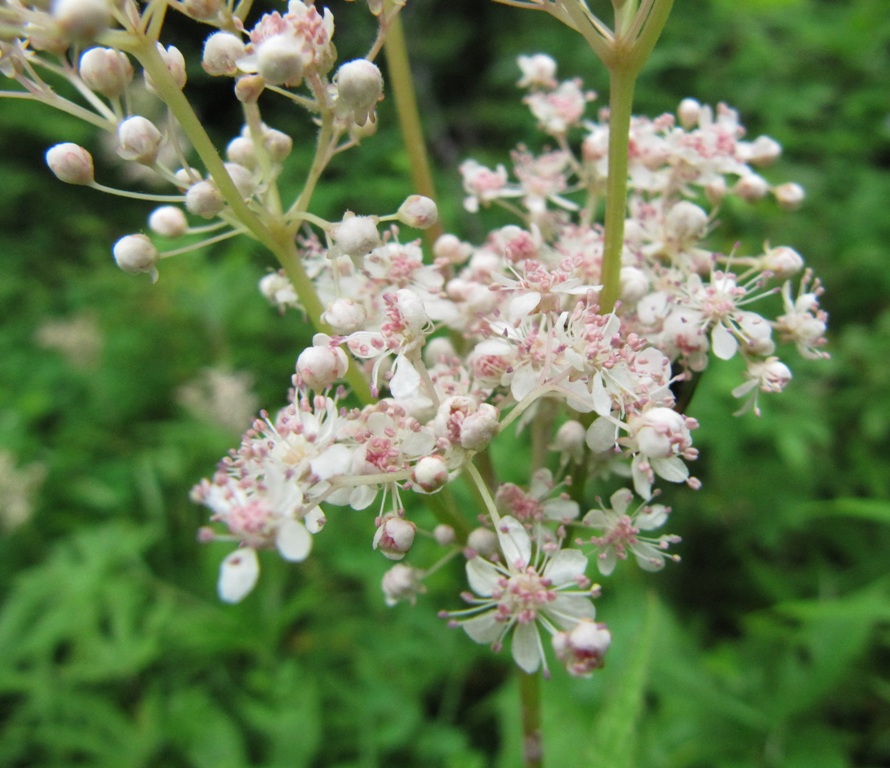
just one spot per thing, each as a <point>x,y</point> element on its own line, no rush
<point>530,704</point>
<point>622,78</point>
<point>402,88</point>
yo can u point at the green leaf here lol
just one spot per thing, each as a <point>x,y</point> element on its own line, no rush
<point>612,741</point>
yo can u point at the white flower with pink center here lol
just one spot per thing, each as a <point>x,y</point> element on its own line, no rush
<point>620,533</point>
<point>533,587</point>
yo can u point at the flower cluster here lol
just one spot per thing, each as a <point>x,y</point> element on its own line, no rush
<point>419,361</point>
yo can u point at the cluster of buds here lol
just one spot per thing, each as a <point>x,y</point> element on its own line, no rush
<point>420,364</point>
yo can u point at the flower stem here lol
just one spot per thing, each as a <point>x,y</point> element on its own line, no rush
<point>402,87</point>
<point>622,78</point>
<point>530,705</point>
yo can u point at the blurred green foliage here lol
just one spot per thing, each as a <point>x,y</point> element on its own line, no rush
<point>766,647</point>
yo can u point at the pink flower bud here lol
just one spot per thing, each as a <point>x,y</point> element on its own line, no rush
<point>762,151</point>
<point>106,71</point>
<point>168,221</point>
<point>751,188</point>
<point>280,60</point>
<point>241,150</point>
<point>482,541</point>
<point>402,582</point>
<point>444,535</point>
<point>204,199</point>
<point>582,650</point>
<point>70,163</point>
<point>782,261</point>
<point>175,63</point>
<point>689,111</point>
<point>242,178</point>
<point>278,144</point>
<point>452,249</point>
<point>249,88</point>
<point>321,365</point>
<point>538,71</point>
<point>685,223</point>
<point>419,212</point>
<point>479,428</point>
<point>135,254</point>
<point>201,9</point>
<point>356,235</point>
<point>222,50</point>
<point>789,196</point>
<point>82,19</point>
<point>394,536</point>
<point>569,441</point>
<point>430,473</point>
<point>359,88</point>
<point>138,140</point>
<point>345,316</point>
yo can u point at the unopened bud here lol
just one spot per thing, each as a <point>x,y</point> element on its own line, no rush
<point>70,163</point>
<point>241,150</point>
<point>201,9</point>
<point>321,365</point>
<point>402,582</point>
<point>82,19</point>
<point>168,221</point>
<point>762,151</point>
<point>106,71</point>
<point>359,88</point>
<point>356,235</point>
<point>204,199</point>
<point>221,53</point>
<point>345,316</point>
<point>451,247</point>
<point>395,536</point>
<point>249,88</point>
<point>569,441</point>
<point>583,649</point>
<point>479,428</point>
<point>280,60</point>
<point>689,112</point>
<point>782,261</point>
<point>419,212</point>
<point>138,140</point>
<point>242,178</point>
<point>789,196</point>
<point>482,541</point>
<point>135,254</point>
<point>444,535</point>
<point>278,144</point>
<point>751,188</point>
<point>430,473</point>
<point>175,63</point>
<point>685,223</point>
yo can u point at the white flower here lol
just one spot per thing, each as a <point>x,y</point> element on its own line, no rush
<point>532,586</point>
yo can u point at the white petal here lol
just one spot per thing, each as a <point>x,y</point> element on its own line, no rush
<point>723,342</point>
<point>482,576</point>
<point>671,469</point>
<point>527,647</point>
<point>651,518</point>
<point>332,461</point>
<point>621,499</point>
<point>523,305</point>
<point>602,403</point>
<point>515,542</point>
<point>362,496</point>
<point>561,509</point>
<point>405,382</point>
<point>294,542</point>
<point>524,381</point>
<point>568,610</point>
<point>605,561</point>
<point>484,628</point>
<point>314,520</point>
<point>238,575</point>
<point>565,566</point>
<point>601,435</point>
